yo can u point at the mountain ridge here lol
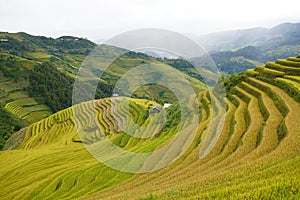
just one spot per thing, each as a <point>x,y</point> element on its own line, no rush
<point>258,36</point>
<point>238,50</point>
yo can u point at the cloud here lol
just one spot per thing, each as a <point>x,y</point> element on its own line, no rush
<point>105,18</point>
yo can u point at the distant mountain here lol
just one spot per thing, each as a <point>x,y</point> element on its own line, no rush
<point>238,50</point>
<point>231,40</point>
<point>283,34</point>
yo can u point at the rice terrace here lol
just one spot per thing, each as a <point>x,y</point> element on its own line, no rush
<point>145,124</point>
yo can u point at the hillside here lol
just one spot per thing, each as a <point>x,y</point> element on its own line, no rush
<point>20,53</point>
<point>255,156</point>
<point>37,75</point>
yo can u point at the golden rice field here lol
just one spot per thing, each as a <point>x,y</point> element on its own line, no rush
<point>256,155</point>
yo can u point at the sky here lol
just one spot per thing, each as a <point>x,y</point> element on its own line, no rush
<point>102,19</point>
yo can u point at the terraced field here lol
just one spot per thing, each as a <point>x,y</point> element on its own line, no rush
<point>256,155</point>
<point>18,102</point>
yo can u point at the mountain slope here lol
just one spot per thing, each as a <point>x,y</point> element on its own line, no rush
<point>37,74</point>
<point>256,156</point>
<point>21,52</point>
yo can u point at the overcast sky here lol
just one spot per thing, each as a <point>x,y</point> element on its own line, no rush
<point>103,19</point>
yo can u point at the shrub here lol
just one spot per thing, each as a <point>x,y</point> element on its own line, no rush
<point>259,68</point>
<point>232,81</point>
<point>252,73</point>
